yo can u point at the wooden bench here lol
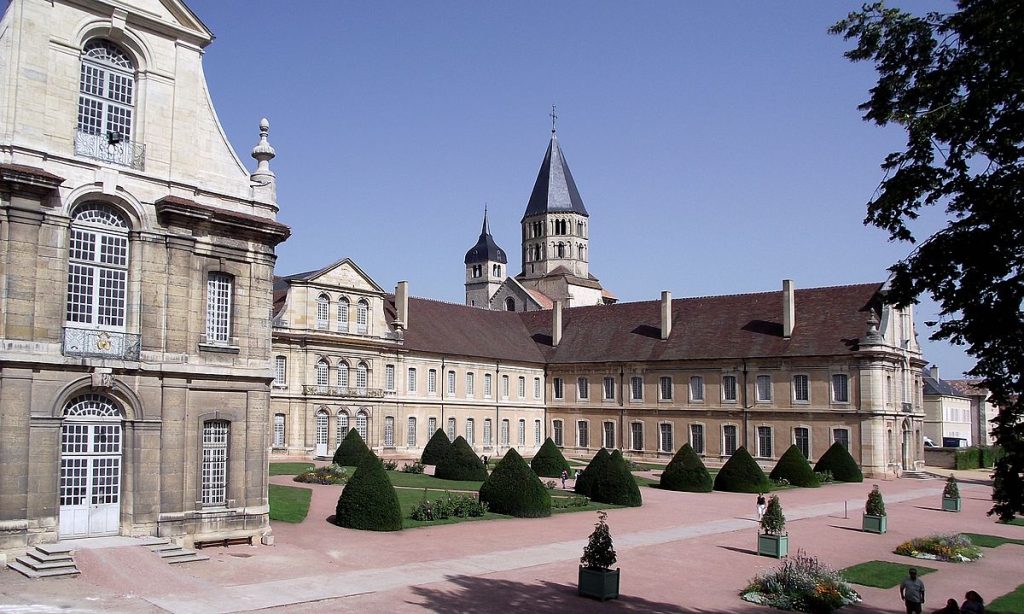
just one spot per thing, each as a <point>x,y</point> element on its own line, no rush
<point>226,541</point>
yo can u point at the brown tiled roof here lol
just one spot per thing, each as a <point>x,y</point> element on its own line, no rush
<point>829,321</point>
<point>542,299</point>
<point>447,328</point>
<point>967,387</point>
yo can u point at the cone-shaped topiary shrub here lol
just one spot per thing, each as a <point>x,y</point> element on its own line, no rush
<point>549,462</point>
<point>615,484</point>
<point>514,489</point>
<point>686,472</point>
<point>597,465</point>
<point>838,461</point>
<point>795,468</point>
<point>435,448</point>
<point>741,474</point>
<point>369,501</point>
<point>460,462</point>
<point>351,451</point>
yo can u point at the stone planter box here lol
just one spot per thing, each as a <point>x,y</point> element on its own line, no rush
<point>874,524</point>
<point>951,504</point>
<point>599,583</point>
<point>772,545</point>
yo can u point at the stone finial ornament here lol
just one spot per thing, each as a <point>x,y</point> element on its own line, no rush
<point>873,334</point>
<point>263,152</point>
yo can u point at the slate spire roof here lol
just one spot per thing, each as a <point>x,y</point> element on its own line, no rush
<point>555,191</point>
<point>486,250</point>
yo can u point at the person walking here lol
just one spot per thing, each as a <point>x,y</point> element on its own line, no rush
<point>762,505</point>
<point>565,476</point>
<point>912,592</point>
<point>973,603</point>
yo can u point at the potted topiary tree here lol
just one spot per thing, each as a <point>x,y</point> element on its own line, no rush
<point>874,512</point>
<point>773,539</point>
<point>596,578</point>
<point>951,495</point>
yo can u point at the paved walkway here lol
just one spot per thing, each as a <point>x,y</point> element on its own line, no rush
<point>680,552</point>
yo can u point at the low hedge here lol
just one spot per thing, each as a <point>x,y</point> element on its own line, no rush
<point>597,466</point>
<point>435,448</point>
<point>977,457</point>
<point>840,464</point>
<point>741,473</point>
<point>988,456</point>
<point>369,501</point>
<point>351,451</point>
<point>686,472</point>
<point>549,462</point>
<point>460,462</point>
<point>514,489</point>
<point>792,466</point>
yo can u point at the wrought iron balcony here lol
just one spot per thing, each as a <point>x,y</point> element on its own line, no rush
<point>92,343</point>
<point>111,148</point>
<point>341,391</point>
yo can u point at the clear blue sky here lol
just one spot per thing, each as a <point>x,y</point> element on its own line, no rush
<point>717,146</point>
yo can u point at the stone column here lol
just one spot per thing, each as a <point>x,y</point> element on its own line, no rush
<point>179,277</point>
<point>15,401</point>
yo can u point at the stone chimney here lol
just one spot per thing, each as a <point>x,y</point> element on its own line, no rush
<point>556,324</point>
<point>935,373</point>
<point>788,308</point>
<point>402,305</point>
<point>666,314</point>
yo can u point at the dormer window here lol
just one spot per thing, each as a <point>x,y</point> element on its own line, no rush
<point>106,105</point>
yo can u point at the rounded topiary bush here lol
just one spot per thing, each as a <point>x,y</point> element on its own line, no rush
<point>460,462</point>
<point>741,473</point>
<point>549,462</point>
<point>795,468</point>
<point>686,472</point>
<point>369,501</point>
<point>838,461</point>
<point>514,489</point>
<point>615,484</point>
<point>597,466</point>
<point>351,451</point>
<point>435,448</point>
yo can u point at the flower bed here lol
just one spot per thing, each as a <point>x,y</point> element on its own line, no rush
<point>448,506</point>
<point>802,583</point>
<point>328,474</point>
<point>952,547</point>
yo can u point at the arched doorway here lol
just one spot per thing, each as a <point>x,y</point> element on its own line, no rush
<point>907,456</point>
<point>321,432</point>
<point>90,467</point>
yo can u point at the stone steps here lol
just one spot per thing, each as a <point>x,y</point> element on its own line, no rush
<point>176,554</point>
<point>917,475</point>
<point>46,561</point>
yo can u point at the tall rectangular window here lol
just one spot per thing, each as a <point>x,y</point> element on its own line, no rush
<point>729,388</point>
<point>583,434</point>
<point>583,388</point>
<point>410,379</point>
<point>556,432</point>
<point>729,439</point>
<point>840,388</point>
<point>609,389</point>
<point>665,388</point>
<point>432,381</point>
<point>323,311</point>
<point>697,389</point>
<point>389,377</point>
<point>389,432</point>
<point>362,376</point>
<point>278,430</point>
<point>697,438</point>
<point>487,385</point>
<point>608,433</point>
<point>801,389</point>
<point>431,427</point>
<point>342,375</point>
<point>470,384</point>
<point>280,371</point>
<point>343,315</point>
<point>470,428</point>
<point>215,463</point>
<point>504,387</point>
<point>410,434</point>
<point>665,437</point>
<point>451,429</point>
<point>98,269</point>
<point>536,387</point>
<point>487,432</point>
<point>504,432</point>
<point>636,435</point>
<point>342,426</point>
<point>802,439</point>
<point>218,308</point>
<point>764,441</point>
<point>451,383</point>
<point>636,388</point>
<point>841,436</point>
<point>362,317</point>
<point>764,388</point>
<point>536,432</point>
<point>522,387</point>
<point>522,432</point>
<point>558,388</point>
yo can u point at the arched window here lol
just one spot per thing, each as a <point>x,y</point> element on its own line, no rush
<point>361,420</point>
<point>361,376</point>
<point>342,424</point>
<point>97,267</point>
<point>362,317</point>
<point>342,374</point>
<point>92,406</point>
<point>343,315</point>
<point>321,373</point>
<point>510,304</point>
<point>561,250</point>
<point>106,104</point>
<point>323,311</point>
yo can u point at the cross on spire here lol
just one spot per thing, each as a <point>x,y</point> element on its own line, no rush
<point>553,118</point>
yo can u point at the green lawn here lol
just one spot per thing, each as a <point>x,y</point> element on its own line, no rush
<point>991,541</point>
<point>1012,603</point>
<point>1016,521</point>
<point>881,574</point>
<point>289,468</point>
<point>289,503</point>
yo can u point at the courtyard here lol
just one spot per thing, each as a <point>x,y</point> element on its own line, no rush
<point>680,552</point>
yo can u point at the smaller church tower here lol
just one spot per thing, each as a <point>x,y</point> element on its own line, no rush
<point>486,266</point>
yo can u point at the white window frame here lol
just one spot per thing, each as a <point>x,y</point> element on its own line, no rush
<point>837,429</point>
<point>583,433</point>
<point>341,426</point>
<point>608,389</point>
<point>410,432</point>
<point>322,369</point>
<point>219,289</point>
<point>522,432</point>
<point>696,389</point>
<point>431,426</point>
<point>806,453</point>
<point>343,306</point>
<point>504,387</point>
<point>452,429</point>
<point>844,388</point>
<point>558,432</point>
<point>280,371</point>
<point>470,430</point>
<point>536,388</point>
<point>698,428</point>
<point>487,432</point>
<point>106,92</point>
<point>323,312</point>
<point>363,424</point>
<point>279,431</point>
<point>557,389</point>
<point>806,388</point>
<point>665,428</point>
<point>362,376</point>
<point>504,433</point>
<point>410,380</point>
<point>760,443</point>
<point>636,389</point>
<point>729,384</point>
<point>215,458</point>
<point>98,257</point>
<point>666,388</point>
<point>522,387</point>
<point>582,389</point>
<point>389,377</point>
<point>362,317</point>
<point>488,385</point>
<point>432,381</point>
<point>451,383</point>
<point>725,441</point>
<point>761,394</point>
<point>389,431</point>
<point>537,432</point>
<point>608,435</point>
<point>342,374</point>
<point>633,431</point>
<point>470,384</point>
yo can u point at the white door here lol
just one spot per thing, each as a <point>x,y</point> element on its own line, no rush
<point>90,479</point>
<point>321,434</point>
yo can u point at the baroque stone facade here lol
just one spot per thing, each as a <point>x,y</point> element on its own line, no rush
<point>136,266</point>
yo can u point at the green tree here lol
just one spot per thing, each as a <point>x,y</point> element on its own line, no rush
<point>460,462</point>
<point>792,466</point>
<point>955,83</point>
<point>369,501</point>
<point>435,448</point>
<point>686,472</point>
<point>351,450</point>
<point>598,466</point>
<point>741,473</point>
<point>514,489</point>
<point>549,462</point>
<point>837,461</point>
